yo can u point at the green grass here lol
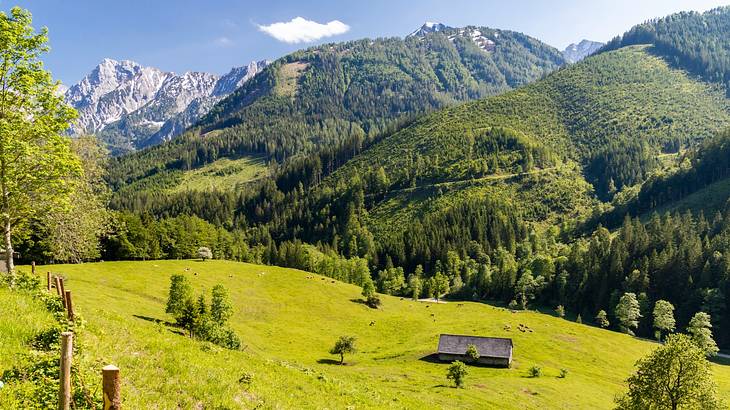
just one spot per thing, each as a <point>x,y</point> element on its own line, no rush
<point>21,317</point>
<point>223,174</point>
<point>288,321</point>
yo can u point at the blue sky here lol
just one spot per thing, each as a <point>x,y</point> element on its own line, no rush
<point>215,35</point>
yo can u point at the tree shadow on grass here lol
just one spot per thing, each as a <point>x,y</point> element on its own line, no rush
<point>328,361</point>
<point>172,327</point>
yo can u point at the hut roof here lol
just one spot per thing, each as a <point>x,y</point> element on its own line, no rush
<point>486,346</point>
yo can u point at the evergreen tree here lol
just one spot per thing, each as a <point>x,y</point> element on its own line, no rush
<point>457,373</point>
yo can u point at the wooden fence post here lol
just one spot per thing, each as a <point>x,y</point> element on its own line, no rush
<point>62,291</point>
<point>57,282</point>
<point>48,280</point>
<point>64,394</point>
<point>111,387</point>
<point>69,306</point>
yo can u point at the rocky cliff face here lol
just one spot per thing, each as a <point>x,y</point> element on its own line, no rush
<point>130,106</point>
<point>576,52</point>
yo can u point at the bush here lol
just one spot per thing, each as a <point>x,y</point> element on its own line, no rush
<point>472,353</point>
<point>457,373</point>
<point>373,301</point>
<point>563,373</point>
<point>535,371</point>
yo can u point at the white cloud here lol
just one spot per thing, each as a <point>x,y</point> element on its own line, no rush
<point>223,42</point>
<point>301,30</point>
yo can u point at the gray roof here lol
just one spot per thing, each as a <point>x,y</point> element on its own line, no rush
<point>486,346</point>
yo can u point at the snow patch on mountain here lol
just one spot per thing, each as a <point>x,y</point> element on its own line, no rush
<point>131,106</point>
<point>576,52</point>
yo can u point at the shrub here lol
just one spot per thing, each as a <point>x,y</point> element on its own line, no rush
<point>560,311</point>
<point>457,373</point>
<point>563,373</point>
<point>535,371</point>
<point>472,353</point>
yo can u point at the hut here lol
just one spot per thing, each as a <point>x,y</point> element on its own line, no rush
<point>493,351</point>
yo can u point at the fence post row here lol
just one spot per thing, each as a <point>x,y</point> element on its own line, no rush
<point>64,394</point>
<point>111,387</point>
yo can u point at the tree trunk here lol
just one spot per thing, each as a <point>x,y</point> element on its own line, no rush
<point>342,358</point>
<point>9,253</point>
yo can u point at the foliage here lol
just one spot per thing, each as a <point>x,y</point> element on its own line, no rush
<point>535,371</point>
<point>700,330</point>
<point>560,311</point>
<point>663,318</point>
<point>472,353</point>
<point>563,373</point>
<point>179,296</point>
<point>457,373</point>
<point>602,319</point>
<point>675,375</point>
<point>221,307</point>
<point>627,312</point>
<point>35,158</point>
<point>205,253</point>
<point>344,345</point>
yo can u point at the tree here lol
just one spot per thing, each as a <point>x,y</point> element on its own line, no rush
<point>189,316</point>
<point>457,373</point>
<point>627,312</point>
<point>221,307</point>
<point>415,284</point>
<point>344,345</point>
<point>72,234</point>
<point>675,375</point>
<point>368,291</point>
<point>663,318</point>
<point>560,311</point>
<point>602,319</point>
<point>438,285</point>
<point>472,353</point>
<point>180,292</point>
<point>205,253</point>
<point>700,329</point>
<point>36,162</point>
<point>527,288</point>
<point>391,280</point>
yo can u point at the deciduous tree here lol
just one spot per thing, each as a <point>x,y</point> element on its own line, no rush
<point>36,162</point>
<point>674,376</point>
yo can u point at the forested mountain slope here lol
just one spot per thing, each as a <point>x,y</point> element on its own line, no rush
<point>357,90</point>
<point>695,41</point>
<point>530,154</point>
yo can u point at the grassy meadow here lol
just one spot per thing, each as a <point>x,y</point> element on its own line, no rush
<point>288,320</point>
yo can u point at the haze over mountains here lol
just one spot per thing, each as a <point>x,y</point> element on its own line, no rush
<point>131,106</point>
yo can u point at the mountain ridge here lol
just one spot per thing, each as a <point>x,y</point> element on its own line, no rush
<point>130,106</point>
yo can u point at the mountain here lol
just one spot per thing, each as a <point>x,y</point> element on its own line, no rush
<point>576,52</point>
<point>353,91</point>
<point>131,106</point>
<point>428,28</point>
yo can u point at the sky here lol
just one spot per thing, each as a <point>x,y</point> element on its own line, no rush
<point>216,35</point>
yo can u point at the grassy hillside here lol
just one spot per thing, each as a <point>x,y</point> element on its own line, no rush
<point>289,319</point>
